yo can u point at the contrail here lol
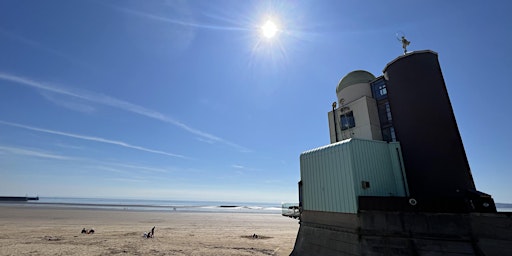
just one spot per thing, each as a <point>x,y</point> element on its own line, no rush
<point>116,103</point>
<point>89,138</point>
<point>176,22</point>
<point>27,152</point>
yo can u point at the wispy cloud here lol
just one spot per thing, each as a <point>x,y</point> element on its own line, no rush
<point>33,153</point>
<point>67,146</point>
<point>176,21</point>
<point>243,167</point>
<point>134,180</point>
<point>90,138</point>
<point>144,168</point>
<point>68,104</point>
<point>129,176</point>
<point>243,170</point>
<point>116,103</point>
<point>205,140</point>
<point>132,168</point>
<point>110,169</point>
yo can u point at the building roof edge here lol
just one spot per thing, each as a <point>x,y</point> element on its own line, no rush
<point>406,55</point>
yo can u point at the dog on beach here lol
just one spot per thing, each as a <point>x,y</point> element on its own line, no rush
<point>85,231</point>
<point>150,234</point>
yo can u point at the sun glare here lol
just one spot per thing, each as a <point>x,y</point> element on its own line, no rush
<point>269,29</point>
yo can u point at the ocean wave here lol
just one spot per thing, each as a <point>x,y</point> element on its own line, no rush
<point>156,205</point>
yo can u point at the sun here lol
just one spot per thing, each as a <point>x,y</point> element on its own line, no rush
<point>269,29</point>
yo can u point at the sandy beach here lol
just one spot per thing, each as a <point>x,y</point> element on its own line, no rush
<point>26,230</point>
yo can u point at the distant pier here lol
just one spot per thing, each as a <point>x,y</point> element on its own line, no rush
<point>18,198</point>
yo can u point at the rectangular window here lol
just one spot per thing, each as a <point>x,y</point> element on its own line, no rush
<point>384,111</point>
<point>388,134</point>
<point>347,121</point>
<point>382,89</point>
<point>379,89</point>
<point>388,111</point>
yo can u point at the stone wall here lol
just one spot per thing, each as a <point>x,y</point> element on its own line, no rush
<point>404,233</point>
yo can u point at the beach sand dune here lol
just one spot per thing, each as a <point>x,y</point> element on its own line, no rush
<point>28,230</point>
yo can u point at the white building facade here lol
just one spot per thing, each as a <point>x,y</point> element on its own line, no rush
<point>355,114</point>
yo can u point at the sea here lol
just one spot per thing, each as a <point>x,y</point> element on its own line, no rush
<point>173,205</point>
<point>153,205</point>
<point>502,207</point>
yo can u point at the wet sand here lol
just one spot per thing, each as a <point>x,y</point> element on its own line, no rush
<point>28,230</point>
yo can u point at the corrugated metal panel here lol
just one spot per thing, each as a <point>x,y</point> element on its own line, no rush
<point>323,173</point>
<point>332,175</point>
<point>372,163</point>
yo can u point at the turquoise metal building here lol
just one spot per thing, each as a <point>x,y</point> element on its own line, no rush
<point>335,175</point>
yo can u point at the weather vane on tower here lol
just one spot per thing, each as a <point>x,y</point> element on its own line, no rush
<point>401,37</point>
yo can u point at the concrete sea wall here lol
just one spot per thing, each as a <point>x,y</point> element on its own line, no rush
<point>404,233</point>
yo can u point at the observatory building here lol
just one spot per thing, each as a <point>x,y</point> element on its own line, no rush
<point>395,179</point>
<point>409,104</point>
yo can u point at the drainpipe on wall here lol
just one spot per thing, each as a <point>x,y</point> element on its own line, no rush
<point>334,121</point>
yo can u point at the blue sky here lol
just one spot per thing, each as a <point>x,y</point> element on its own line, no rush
<point>187,100</point>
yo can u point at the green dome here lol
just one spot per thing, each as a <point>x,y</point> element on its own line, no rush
<point>355,77</point>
